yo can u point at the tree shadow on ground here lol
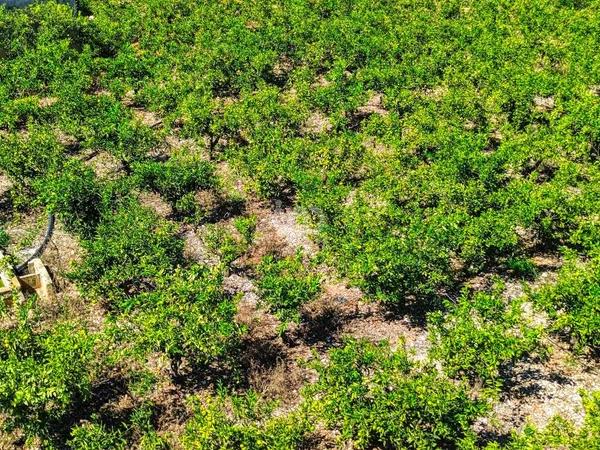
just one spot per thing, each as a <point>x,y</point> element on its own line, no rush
<point>249,355</point>
<point>93,407</point>
<point>525,379</point>
<point>320,325</point>
<point>487,437</point>
<point>416,309</point>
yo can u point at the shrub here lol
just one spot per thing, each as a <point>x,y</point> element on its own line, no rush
<point>45,372</point>
<point>243,422</point>
<point>246,226</point>
<point>485,153</point>
<point>376,397</point>
<point>392,252</point>
<point>186,315</point>
<point>141,424</point>
<point>176,177</point>
<point>228,244</point>
<point>4,239</point>
<point>222,242</point>
<point>522,267</point>
<point>151,440</point>
<point>74,195</point>
<point>100,121</point>
<point>478,334</point>
<point>286,284</point>
<point>130,249</point>
<point>28,156</point>
<point>573,301</point>
<point>95,436</point>
<point>177,180</point>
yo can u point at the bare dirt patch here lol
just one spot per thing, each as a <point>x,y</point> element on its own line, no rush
<point>129,98</point>
<point>235,284</point>
<point>46,102</point>
<point>230,181</point>
<point>177,142</point>
<point>9,440</point>
<point>272,364</point>
<point>173,413</point>
<point>317,123</point>
<point>544,104</point>
<point>26,231</point>
<point>209,202</point>
<point>321,82</point>
<point>378,148</point>
<point>279,232</point>
<point>373,106</point>
<point>60,256</point>
<point>5,184</point>
<point>286,225</point>
<point>283,66</point>
<point>63,251</point>
<point>374,323</point>
<point>547,261</point>
<point>547,266</point>
<point>147,118</point>
<point>194,248</point>
<point>67,140</point>
<point>267,242</point>
<point>173,144</point>
<point>537,391</point>
<point>162,152</point>
<point>436,93</point>
<point>104,165</point>
<point>282,382</point>
<point>342,312</point>
<point>156,203</point>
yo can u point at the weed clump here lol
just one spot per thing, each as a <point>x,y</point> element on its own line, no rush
<point>286,284</point>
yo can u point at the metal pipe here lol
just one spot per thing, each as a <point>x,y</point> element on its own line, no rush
<point>22,268</point>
